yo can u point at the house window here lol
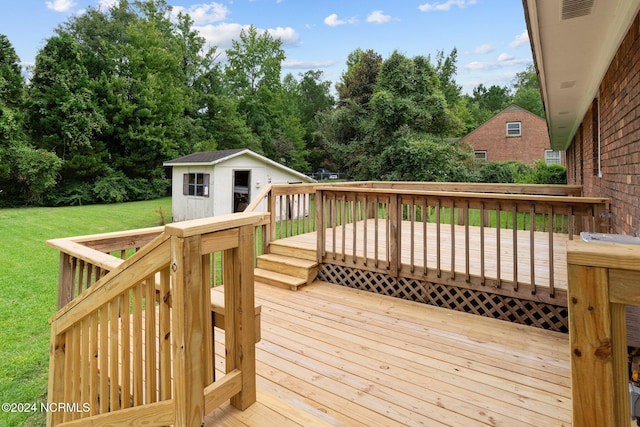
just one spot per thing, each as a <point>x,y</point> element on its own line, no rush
<point>195,184</point>
<point>514,129</point>
<point>552,157</point>
<point>480,155</point>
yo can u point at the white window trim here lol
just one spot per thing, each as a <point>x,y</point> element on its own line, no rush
<point>557,156</point>
<point>475,152</point>
<point>519,129</point>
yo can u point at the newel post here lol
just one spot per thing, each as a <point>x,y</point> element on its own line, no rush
<point>240,331</point>
<point>188,326</point>
<point>597,334</point>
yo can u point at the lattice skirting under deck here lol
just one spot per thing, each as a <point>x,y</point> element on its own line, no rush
<point>525,312</point>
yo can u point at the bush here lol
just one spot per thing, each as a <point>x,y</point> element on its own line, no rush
<point>503,172</point>
<point>111,188</point>
<point>543,173</point>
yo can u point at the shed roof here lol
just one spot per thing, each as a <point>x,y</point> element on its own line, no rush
<point>205,157</point>
<point>210,158</point>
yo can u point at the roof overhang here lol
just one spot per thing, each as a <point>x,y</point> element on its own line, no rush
<point>573,43</point>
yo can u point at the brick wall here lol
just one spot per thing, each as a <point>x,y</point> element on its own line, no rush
<point>492,137</point>
<point>619,104</point>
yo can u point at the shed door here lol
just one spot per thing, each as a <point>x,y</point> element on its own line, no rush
<point>241,190</point>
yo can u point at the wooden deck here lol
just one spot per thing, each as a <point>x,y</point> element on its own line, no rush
<point>332,355</point>
<point>526,253</point>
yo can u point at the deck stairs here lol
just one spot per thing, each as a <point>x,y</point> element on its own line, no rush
<point>286,266</point>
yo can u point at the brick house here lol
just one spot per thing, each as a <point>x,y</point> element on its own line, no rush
<point>513,134</point>
<point>587,55</point>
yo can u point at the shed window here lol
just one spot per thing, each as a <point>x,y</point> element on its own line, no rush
<point>514,129</point>
<point>195,184</point>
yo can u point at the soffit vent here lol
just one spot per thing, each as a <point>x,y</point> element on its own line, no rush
<point>576,8</point>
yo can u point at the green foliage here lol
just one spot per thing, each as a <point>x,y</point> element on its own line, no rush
<point>423,158</point>
<point>254,62</point>
<point>543,173</point>
<point>119,90</point>
<point>503,172</point>
<point>11,82</point>
<point>358,82</point>
<point>527,91</point>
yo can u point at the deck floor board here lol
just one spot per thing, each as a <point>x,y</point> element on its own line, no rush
<point>352,358</point>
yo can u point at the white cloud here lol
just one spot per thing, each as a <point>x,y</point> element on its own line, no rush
<point>378,17</point>
<point>333,21</point>
<point>493,65</point>
<point>203,13</point>
<point>504,57</point>
<point>221,35</point>
<point>288,35</point>
<point>306,65</point>
<point>106,4</point>
<point>522,38</point>
<point>445,6</point>
<point>60,5</point>
<point>482,49</point>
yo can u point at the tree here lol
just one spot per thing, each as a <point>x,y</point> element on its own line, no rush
<point>527,91</point>
<point>254,62</point>
<point>11,81</point>
<point>415,157</point>
<point>25,173</point>
<point>63,113</point>
<point>446,69</point>
<point>309,97</point>
<point>253,75</point>
<point>358,82</point>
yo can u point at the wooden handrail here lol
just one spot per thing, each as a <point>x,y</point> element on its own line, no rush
<point>259,198</point>
<point>137,344</point>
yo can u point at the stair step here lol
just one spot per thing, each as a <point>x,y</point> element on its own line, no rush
<point>302,268</point>
<point>283,248</point>
<point>278,279</point>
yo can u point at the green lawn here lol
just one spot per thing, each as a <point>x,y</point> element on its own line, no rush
<point>28,287</point>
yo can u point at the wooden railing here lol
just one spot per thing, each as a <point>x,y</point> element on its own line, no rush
<point>375,229</point>
<point>135,347</point>
<point>86,259</point>
<point>603,278</point>
<point>291,208</point>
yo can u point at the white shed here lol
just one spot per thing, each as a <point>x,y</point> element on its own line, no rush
<point>221,182</point>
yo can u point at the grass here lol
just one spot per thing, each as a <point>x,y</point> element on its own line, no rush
<point>28,288</point>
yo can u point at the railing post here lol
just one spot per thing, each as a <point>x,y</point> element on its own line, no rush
<point>55,391</point>
<point>240,320</point>
<point>188,318</point>
<point>590,339</point>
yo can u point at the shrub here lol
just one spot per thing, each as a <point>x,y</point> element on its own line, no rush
<point>543,173</point>
<point>503,172</point>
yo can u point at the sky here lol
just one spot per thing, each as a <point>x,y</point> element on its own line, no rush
<point>489,35</point>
